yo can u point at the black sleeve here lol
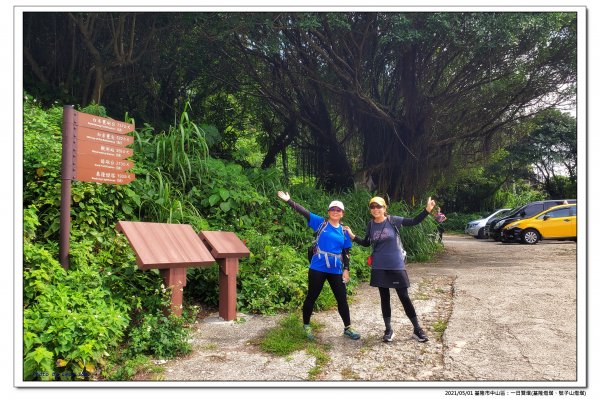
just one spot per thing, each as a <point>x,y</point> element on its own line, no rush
<point>300,209</point>
<point>365,242</point>
<point>346,258</point>
<point>416,220</point>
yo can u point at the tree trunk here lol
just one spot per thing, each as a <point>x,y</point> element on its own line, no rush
<point>280,143</point>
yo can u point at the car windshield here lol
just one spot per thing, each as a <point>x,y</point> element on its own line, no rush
<point>515,211</point>
<point>501,215</point>
<point>504,212</point>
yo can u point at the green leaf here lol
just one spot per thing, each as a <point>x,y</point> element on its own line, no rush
<point>127,210</point>
<point>213,199</point>
<point>41,354</point>
<point>246,220</point>
<point>224,194</point>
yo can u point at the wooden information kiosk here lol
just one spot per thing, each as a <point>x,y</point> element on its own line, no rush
<point>173,248</point>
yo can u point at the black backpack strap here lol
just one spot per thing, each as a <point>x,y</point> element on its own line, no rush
<point>394,226</point>
<point>320,229</point>
<point>398,238</point>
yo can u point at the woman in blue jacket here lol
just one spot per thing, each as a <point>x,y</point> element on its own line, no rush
<point>331,262</point>
<point>388,267</point>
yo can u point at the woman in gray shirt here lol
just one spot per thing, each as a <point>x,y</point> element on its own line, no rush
<point>388,259</point>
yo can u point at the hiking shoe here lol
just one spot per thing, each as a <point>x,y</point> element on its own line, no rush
<point>388,336</point>
<point>350,333</point>
<point>420,336</point>
<point>308,332</point>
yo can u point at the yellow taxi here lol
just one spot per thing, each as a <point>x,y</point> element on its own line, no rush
<point>558,222</point>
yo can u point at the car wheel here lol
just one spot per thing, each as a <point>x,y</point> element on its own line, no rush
<point>530,236</point>
<point>480,233</point>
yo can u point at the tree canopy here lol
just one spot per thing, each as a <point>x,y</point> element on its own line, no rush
<point>392,100</point>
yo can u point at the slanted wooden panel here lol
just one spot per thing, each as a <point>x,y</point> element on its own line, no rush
<point>224,244</point>
<point>164,245</point>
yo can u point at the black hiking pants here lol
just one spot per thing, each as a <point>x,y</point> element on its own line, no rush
<point>316,280</point>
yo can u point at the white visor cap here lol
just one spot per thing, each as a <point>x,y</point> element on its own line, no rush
<point>336,203</point>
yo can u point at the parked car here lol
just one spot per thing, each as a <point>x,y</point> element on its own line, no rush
<point>524,212</point>
<point>558,222</point>
<point>476,227</point>
<point>492,221</point>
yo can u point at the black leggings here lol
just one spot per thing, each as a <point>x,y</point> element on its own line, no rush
<point>316,280</point>
<point>386,308</point>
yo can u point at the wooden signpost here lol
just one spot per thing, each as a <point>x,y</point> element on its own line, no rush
<point>85,147</point>
<point>93,150</point>
<point>108,166</point>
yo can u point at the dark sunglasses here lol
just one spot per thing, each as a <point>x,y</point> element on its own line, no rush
<point>375,206</point>
<point>335,210</point>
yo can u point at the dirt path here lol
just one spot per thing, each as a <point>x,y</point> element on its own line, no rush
<point>509,311</point>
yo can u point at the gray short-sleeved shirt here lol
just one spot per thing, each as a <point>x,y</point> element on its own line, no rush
<point>387,247</point>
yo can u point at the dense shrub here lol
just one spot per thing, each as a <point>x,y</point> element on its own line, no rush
<point>70,319</point>
<point>79,322</point>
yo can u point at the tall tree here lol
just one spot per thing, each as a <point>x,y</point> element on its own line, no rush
<point>79,57</point>
<point>550,147</point>
<point>413,91</point>
<point>398,97</point>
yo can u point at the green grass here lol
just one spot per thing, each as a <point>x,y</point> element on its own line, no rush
<point>348,374</point>
<point>439,327</point>
<point>210,347</point>
<point>288,337</point>
<point>129,368</point>
<point>322,359</point>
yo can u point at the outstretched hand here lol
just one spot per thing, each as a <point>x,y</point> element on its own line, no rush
<point>283,195</point>
<point>430,204</point>
<point>349,231</point>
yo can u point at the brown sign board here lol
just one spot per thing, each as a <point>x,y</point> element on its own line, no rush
<point>100,123</point>
<point>94,175</point>
<point>224,244</point>
<point>165,245</point>
<point>99,136</point>
<point>85,147</point>
<point>102,163</point>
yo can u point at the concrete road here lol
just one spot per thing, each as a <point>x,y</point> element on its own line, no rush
<point>511,321</point>
<point>514,311</point>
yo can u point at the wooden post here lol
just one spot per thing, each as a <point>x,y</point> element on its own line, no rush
<point>175,279</point>
<point>67,167</point>
<point>228,269</point>
<point>226,248</point>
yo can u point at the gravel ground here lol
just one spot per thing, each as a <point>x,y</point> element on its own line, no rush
<point>509,310</point>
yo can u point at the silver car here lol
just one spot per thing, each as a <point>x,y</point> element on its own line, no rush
<point>475,228</point>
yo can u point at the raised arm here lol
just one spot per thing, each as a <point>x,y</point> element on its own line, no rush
<point>421,216</point>
<point>298,208</point>
<point>365,242</point>
<point>416,220</point>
